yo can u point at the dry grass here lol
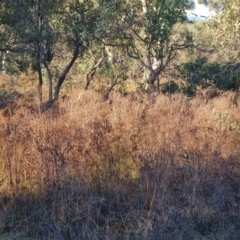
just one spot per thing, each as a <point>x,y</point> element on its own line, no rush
<point>149,167</point>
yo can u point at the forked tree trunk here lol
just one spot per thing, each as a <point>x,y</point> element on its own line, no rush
<point>151,79</point>
<point>92,72</point>
<point>114,83</point>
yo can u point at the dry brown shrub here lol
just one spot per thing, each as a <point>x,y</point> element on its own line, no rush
<point>149,167</point>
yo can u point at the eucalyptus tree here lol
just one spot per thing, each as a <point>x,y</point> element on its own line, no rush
<point>78,26</point>
<point>227,15</point>
<point>40,26</point>
<point>229,31</point>
<point>230,17</point>
<point>145,29</point>
<point>225,25</point>
<point>6,37</point>
<point>222,34</point>
<point>29,22</point>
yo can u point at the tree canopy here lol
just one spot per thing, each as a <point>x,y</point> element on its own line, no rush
<point>149,32</point>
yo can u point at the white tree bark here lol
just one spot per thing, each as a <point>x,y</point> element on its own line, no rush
<point>144,5</point>
<point>4,69</point>
<point>152,64</point>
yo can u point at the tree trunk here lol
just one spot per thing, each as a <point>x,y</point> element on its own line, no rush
<point>152,78</point>
<point>65,72</point>
<point>158,84</point>
<point>40,82</point>
<point>40,79</point>
<point>115,81</point>
<point>3,62</point>
<point>92,72</point>
<point>49,76</point>
<point>144,6</point>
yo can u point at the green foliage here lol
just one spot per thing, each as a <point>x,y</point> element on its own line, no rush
<point>171,87</point>
<point>80,20</point>
<point>223,76</point>
<point>64,27</point>
<point>145,30</point>
<point>23,18</point>
<point>148,31</point>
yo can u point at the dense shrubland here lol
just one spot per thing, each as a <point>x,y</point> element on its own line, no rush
<point>133,167</point>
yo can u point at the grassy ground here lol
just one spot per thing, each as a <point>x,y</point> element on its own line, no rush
<point>143,167</point>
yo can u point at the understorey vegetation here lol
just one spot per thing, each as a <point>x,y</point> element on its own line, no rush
<point>130,167</point>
